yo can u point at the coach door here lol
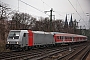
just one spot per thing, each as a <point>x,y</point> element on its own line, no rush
<point>24,39</point>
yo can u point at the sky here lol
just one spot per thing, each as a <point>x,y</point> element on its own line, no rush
<point>78,9</point>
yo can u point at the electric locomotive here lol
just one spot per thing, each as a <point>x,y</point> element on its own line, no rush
<point>25,39</point>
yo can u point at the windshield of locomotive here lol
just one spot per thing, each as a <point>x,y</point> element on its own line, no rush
<point>14,35</point>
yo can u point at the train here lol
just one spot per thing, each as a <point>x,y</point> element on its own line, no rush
<point>26,39</point>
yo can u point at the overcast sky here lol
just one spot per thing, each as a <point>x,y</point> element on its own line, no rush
<point>61,8</point>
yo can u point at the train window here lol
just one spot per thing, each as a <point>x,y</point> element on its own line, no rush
<point>60,37</point>
<point>24,35</point>
<point>14,35</point>
<point>57,37</point>
<point>70,37</point>
<point>65,37</point>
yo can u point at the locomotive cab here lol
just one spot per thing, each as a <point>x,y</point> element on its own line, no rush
<point>15,39</point>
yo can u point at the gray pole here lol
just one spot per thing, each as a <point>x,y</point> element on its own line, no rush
<point>50,18</point>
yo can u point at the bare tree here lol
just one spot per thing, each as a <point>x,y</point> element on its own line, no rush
<point>58,25</point>
<point>4,10</point>
<point>25,20</point>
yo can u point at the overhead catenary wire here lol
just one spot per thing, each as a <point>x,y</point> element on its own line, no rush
<point>18,5</point>
<point>45,3</point>
<point>32,6</point>
<point>51,7</point>
<point>81,8</point>
<point>77,11</point>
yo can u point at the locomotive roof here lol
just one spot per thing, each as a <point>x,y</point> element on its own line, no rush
<point>20,30</point>
<point>41,32</point>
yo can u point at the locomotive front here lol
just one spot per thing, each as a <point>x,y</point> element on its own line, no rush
<point>13,40</point>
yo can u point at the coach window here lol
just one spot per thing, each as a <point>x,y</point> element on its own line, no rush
<point>60,37</point>
<point>65,37</point>
<point>24,35</point>
<point>57,37</point>
<point>70,37</point>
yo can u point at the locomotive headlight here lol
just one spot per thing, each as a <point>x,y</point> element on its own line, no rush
<point>17,42</point>
<point>8,42</point>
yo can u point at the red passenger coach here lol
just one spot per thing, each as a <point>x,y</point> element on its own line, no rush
<point>58,38</point>
<point>68,38</point>
<point>80,38</point>
<point>63,37</point>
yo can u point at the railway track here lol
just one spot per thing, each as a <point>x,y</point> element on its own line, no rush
<point>77,54</point>
<point>61,55</point>
<point>55,53</point>
<point>27,54</point>
<point>80,54</point>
